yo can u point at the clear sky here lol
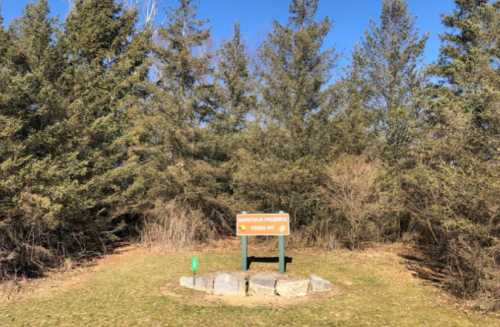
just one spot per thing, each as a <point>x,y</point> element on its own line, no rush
<point>350,18</point>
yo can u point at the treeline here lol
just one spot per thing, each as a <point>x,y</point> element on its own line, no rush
<point>112,128</point>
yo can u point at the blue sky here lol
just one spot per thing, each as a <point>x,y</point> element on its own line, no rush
<point>350,18</point>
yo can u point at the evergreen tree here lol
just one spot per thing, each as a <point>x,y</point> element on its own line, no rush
<point>4,39</point>
<point>388,61</point>
<point>105,79</point>
<point>170,143</point>
<point>294,72</point>
<point>30,117</point>
<point>61,207</point>
<point>236,100</point>
<point>385,69</point>
<point>235,97</point>
<point>353,132</point>
<point>7,124</point>
<point>281,163</point>
<point>185,101</point>
<point>183,75</point>
<point>453,190</point>
<point>469,72</point>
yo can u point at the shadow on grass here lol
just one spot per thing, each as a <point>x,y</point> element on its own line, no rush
<point>252,259</point>
<point>423,267</point>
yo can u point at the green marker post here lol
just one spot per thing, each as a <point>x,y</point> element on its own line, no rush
<point>194,267</point>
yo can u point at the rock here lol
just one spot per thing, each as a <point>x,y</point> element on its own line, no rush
<point>230,284</point>
<point>292,287</point>
<point>201,283</point>
<point>319,284</point>
<point>258,284</point>
<point>263,284</point>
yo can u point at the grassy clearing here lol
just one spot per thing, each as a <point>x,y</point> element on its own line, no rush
<point>374,289</point>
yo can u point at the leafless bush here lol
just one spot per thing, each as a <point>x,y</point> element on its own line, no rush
<point>352,195</point>
<point>172,225</point>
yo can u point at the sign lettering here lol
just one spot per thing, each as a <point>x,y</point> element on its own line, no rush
<point>262,224</point>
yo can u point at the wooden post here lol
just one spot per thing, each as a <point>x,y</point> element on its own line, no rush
<point>282,253</point>
<point>244,252</point>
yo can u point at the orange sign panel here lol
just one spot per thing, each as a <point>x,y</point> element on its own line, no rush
<point>262,224</point>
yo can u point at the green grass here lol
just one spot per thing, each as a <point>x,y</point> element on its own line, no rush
<point>374,289</point>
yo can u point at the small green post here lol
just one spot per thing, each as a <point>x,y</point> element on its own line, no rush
<point>194,267</point>
<point>244,252</point>
<point>281,246</point>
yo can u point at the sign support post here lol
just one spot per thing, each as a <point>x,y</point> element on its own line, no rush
<point>263,224</point>
<point>244,252</point>
<point>281,240</point>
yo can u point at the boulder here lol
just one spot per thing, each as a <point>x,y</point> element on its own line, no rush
<point>292,287</point>
<point>257,284</point>
<point>233,283</point>
<point>319,284</point>
<point>203,283</point>
<point>263,284</point>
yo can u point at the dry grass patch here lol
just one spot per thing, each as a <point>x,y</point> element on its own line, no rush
<point>128,289</point>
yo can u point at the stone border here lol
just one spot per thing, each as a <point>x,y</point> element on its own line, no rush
<point>262,284</point>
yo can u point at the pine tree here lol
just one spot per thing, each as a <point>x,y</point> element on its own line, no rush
<point>103,80</point>
<point>295,68</point>
<point>171,153</point>
<point>453,190</point>
<point>236,101</point>
<point>185,99</point>
<point>30,117</point>
<point>388,61</point>
<point>353,132</point>
<point>183,75</point>
<point>469,73</point>
<point>8,125</point>
<point>235,93</point>
<point>280,165</point>
<point>388,86</point>
<point>64,103</point>
<point>4,39</point>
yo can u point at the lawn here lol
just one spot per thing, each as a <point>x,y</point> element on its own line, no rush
<point>135,288</point>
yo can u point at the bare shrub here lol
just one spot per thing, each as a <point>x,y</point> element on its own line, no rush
<point>172,225</point>
<point>351,192</point>
<point>318,234</point>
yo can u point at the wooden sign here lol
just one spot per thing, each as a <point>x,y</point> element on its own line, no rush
<point>263,224</point>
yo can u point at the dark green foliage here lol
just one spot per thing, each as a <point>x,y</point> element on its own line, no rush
<point>30,116</point>
<point>387,61</point>
<point>183,76</point>
<point>172,157</point>
<point>353,132</point>
<point>63,105</point>
<point>280,165</point>
<point>453,191</point>
<point>100,83</point>
<point>294,71</point>
<point>236,87</point>
<point>382,102</point>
